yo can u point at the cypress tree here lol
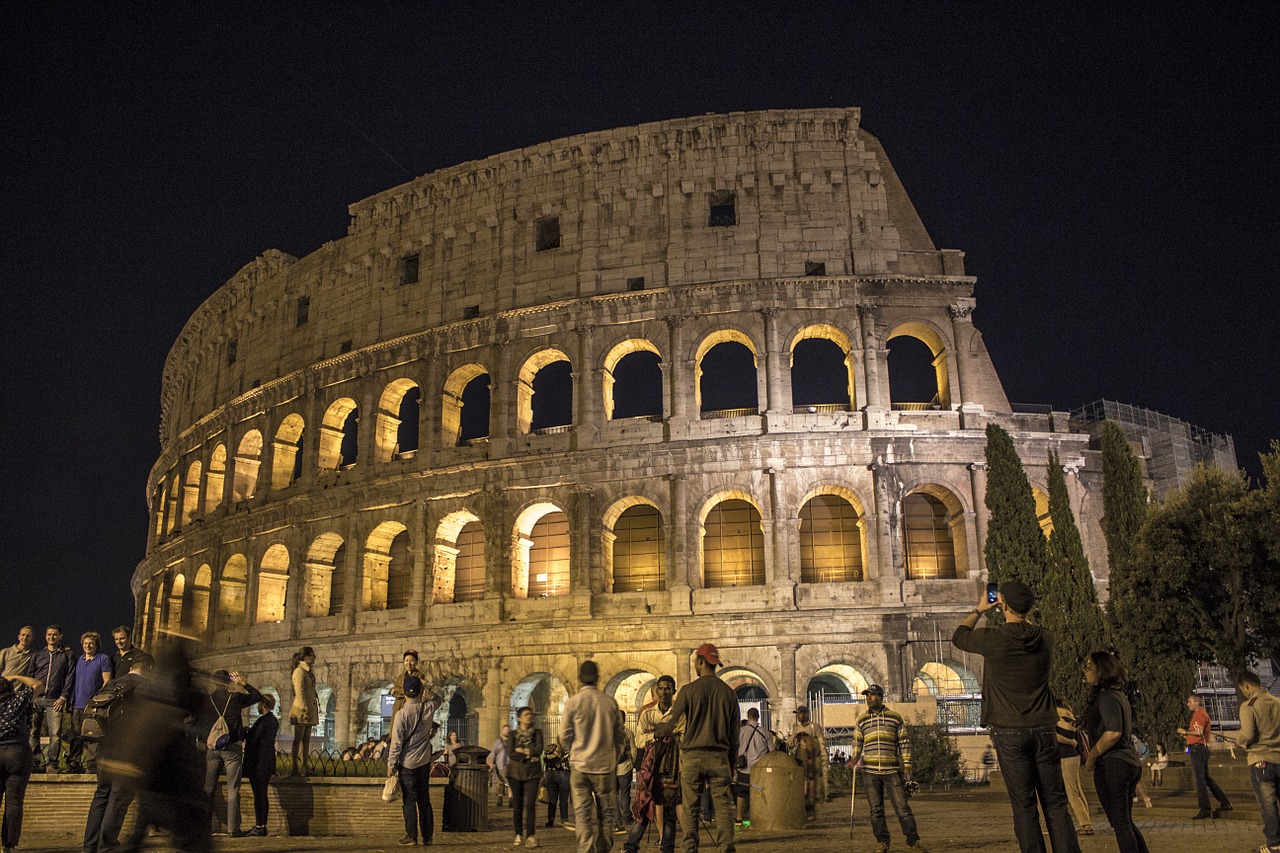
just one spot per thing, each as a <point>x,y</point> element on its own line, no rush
<point>1015,548</point>
<point>1068,600</point>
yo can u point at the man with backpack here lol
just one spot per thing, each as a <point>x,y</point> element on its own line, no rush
<point>657,789</point>
<point>219,727</point>
<point>106,715</point>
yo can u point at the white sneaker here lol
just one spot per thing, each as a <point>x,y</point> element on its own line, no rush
<point>531,841</point>
<point>517,842</point>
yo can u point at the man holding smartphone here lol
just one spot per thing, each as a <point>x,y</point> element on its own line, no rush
<point>1017,705</point>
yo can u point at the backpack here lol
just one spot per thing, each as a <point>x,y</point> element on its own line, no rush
<point>220,733</point>
<point>104,706</point>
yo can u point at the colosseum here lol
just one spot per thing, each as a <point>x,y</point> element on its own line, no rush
<point>611,396</point>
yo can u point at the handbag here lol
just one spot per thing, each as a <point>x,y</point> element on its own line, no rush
<point>543,796</point>
<point>391,790</point>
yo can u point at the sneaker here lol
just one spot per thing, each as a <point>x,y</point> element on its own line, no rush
<point>408,841</point>
<point>882,847</point>
<point>568,824</point>
<point>1088,830</point>
<point>258,832</point>
<point>519,840</point>
<point>1147,802</point>
<point>531,841</point>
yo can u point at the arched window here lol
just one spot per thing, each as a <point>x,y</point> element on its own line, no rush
<point>465,406</point>
<point>639,550</point>
<point>177,597</point>
<point>821,370</point>
<point>546,695</point>
<point>459,563</point>
<point>544,394</point>
<point>214,480</point>
<point>830,541</point>
<point>322,576</point>
<point>633,381</point>
<point>945,679</point>
<point>540,553</point>
<point>917,368</point>
<point>248,459</point>
<point>171,509</point>
<point>273,584</point>
<point>286,457</point>
<point>199,608</point>
<point>835,684</point>
<point>384,558</point>
<point>732,545</point>
<point>397,424</point>
<point>191,493</point>
<point>231,592</point>
<point>727,375</point>
<point>931,552</point>
<point>339,435</point>
<point>157,509</point>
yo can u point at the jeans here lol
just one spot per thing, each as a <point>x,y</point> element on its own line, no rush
<point>230,758</point>
<point>45,718</point>
<point>624,800</point>
<point>593,804</point>
<point>15,772</point>
<point>557,782</point>
<point>1115,781</point>
<point>261,785</point>
<point>524,805</point>
<point>1030,767</point>
<point>111,800</point>
<point>666,836</point>
<point>84,752</point>
<point>1199,755</point>
<point>1265,776</point>
<point>707,770</point>
<point>879,784</point>
<point>415,788</point>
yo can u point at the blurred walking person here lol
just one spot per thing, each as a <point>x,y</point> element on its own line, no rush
<point>16,695</point>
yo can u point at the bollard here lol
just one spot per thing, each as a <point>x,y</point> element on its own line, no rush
<point>777,793</point>
<point>467,795</point>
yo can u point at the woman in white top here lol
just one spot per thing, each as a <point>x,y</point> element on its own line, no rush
<point>304,713</point>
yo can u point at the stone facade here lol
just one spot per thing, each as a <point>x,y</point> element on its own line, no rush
<point>323,480</point>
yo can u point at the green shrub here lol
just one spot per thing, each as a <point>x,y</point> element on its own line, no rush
<point>935,758</point>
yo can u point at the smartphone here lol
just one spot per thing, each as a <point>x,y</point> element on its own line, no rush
<point>993,591</point>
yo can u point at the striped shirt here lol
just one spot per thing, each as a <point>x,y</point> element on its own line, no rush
<point>881,738</point>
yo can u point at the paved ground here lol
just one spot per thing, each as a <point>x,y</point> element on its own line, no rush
<point>973,820</point>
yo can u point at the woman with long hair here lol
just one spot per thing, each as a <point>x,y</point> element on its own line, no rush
<point>524,748</point>
<point>304,713</point>
<point>1112,758</point>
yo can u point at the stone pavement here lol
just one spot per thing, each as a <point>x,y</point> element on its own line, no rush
<point>974,819</point>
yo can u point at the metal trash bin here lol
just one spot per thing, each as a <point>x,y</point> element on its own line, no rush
<point>777,793</point>
<point>466,797</point>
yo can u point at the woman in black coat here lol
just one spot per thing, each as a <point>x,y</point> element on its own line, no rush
<point>260,761</point>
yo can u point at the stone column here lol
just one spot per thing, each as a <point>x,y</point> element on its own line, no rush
<point>586,391</point>
<point>961,330</point>
<point>266,462</point>
<point>876,390</point>
<point>788,687</point>
<point>502,400</point>
<point>978,495</point>
<point>680,557</point>
<point>679,377</point>
<point>775,369</point>
<point>778,567</point>
<point>429,405</point>
<point>423,553</point>
<point>352,580</point>
<point>367,450</point>
<point>886,499</point>
<point>583,578</point>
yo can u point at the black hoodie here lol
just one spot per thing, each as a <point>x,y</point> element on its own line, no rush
<point>1015,673</point>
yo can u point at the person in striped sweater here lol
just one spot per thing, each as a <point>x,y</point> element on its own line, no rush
<point>880,742</point>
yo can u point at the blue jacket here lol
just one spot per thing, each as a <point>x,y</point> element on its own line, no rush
<point>55,670</point>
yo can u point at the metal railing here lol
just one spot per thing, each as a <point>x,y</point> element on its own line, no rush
<point>820,408</point>
<point>553,430</point>
<point>728,413</point>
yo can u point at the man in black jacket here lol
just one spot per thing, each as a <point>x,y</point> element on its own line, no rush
<point>230,696</point>
<point>1017,705</point>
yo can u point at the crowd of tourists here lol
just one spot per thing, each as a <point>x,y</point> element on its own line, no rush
<point>160,734</point>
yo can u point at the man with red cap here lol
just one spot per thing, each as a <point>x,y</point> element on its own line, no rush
<point>709,749</point>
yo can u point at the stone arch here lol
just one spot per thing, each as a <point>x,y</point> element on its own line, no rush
<point>191,493</point>
<point>641,385</point>
<point>935,340</point>
<point>215,479</point>
<point>199,605</point>
<point>630,689</point>
<point>933,530</point>
<point>286,452</point>
<point>945,678</point>
<point>545,693</point>
<point>177,591</point>
<point>734,380</point>
<point>540,541</point>
<point>384,561</point>
<point>459,711</point>
<point>244,483</point>
<point>324,587</point>
<point>157,508</point>
<point>459,567</point>
<point>396,426</point>
<point>731,540</point>
<point>525,404</point>
<point>324,735</point>
<point>173,496</point>
<point>753,689</point>
<point>339,433</point>
<point>832,536</point>
<point>809,357</point>
<point>633,545</point>
<point>373,713</point>
<point>453,403</point>
<point>232,587</point>
<point>273,584</point>
<point>842,679</point>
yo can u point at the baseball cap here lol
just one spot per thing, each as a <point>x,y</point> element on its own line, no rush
<point>1018,596</point>
<point>589,672</point>
<point>873,688</point>
<point>707,652</point>
<point>412,686</point>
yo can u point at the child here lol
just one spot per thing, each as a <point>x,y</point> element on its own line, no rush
<point>1158,766</point>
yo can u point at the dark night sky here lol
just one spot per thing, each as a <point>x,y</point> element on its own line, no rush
<point>1113,182</point>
